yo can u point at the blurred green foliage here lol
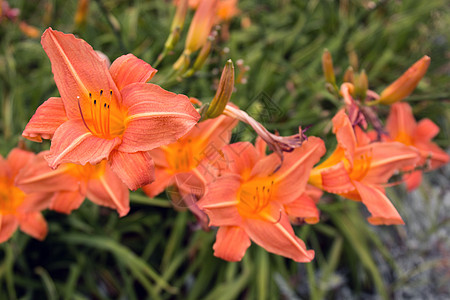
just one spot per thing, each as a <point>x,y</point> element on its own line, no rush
<point>156,252</point>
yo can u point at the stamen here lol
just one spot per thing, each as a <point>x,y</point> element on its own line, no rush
<point>81,113</point>
<point>94,121</point>
<point>108,116</point>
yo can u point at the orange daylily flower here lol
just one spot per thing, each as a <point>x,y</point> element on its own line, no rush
<point>106,114</point>
<point>302,209</point>
<point>72,183</point>
<point>17,207</point>
<point>358,169</point>
<point>249,202</point>
<point>192,161</point>
<point>403,128</point>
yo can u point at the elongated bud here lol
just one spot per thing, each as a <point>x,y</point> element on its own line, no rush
<point>177,25</point>
<point>182,62</point>
<point>361,85</point>
<point>327,66</point>
<point>29,30</point>
<point>204,53</point>
<point>82,9</point>
<point>180,15</point>
<point>201,25</point>
<point>348,75</point>
<point>405,84</point>
<point>224,91</point>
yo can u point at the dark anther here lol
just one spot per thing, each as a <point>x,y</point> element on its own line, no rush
<point>101,92</point>
<point>104,105</point>
<point>90,95</point>
<point>95,101</point>
<point>108,105</point>
<point>110,92</point>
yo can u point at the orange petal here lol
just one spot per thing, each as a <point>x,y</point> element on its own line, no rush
<point>77,68</point>
<point>109,190</point>
<point>8,225</point>
<point>345,134</point>
<point>190,183</point>
<point>385,159</point>
<point>4,168</point>
<point>293,175</point>
<point>128,69</point>
<point>412,180</point>
<point>304,207</point>
<point>313,192</point>
<point>381,208</point>
<point>261,146</point>
<point>39,177</point>
<point>336,179</point>
<point>73,143</point>
<point>400,121</point>
<point>231,243</point>
<point>33,224</point>
<point>216,133</point>
<point>436,156</point>
<point>220,200</point>
<point>240,158</point>
<point>35,202</point>
<point>155,117</point>
<point>162,180</point>
<point>135,169</point>
<point>17,160</point>
<point>425,130</point>
<point>363,138</point>
<point>66,201</point>
<point>278,238</point>
<point>159,157</point>
<point>47,118</point>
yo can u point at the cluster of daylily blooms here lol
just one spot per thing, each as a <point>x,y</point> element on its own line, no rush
<point>112,132</point>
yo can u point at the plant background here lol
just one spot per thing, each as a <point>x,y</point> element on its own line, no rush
<point>157,252</point>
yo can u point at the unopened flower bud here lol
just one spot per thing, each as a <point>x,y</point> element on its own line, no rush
<point>29,30</point>
<point>203,55</point>
<point>224,91</point>
<point>182,63</point>
<point>405,84</point>
<point>180,15</point>
<point>327,66</point>
<point>361,85</point>
<point>348,75</point>
<point>177,25</point>
<point>82,9</point>
<point>201,25</point>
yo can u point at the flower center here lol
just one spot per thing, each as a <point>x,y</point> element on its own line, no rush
<point>183,155</point>
<point>361,165</point>
<point>11,197</point>
<point>254,199</point>
<point>102,115</point>
<point>404,138</point>
<point>87,171</point>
